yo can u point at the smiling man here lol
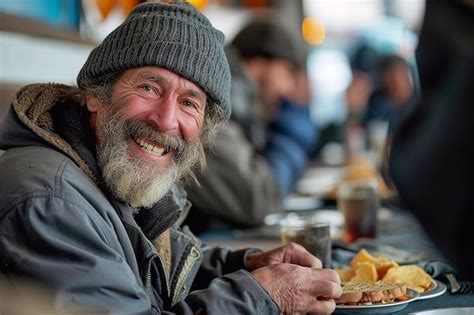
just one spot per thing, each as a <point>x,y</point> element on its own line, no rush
<point>149,135</point>
<point>90,197</point>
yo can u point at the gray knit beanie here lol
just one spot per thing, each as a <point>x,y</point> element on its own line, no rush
<point>270,39</point>
<point>175,36</point>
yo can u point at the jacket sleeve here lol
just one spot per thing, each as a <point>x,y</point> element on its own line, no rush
<point>432,153</point>
<point>237,184</point>
<point>219,261</point>
<point>50,240</point>
<point>235,293</point>
<point>59,243</point>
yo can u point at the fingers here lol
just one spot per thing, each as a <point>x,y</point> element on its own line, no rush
<point>324,288</point>
<point>300,289</point>
<point>323,307</point>
<point>298,255</point>
<point>327,274</point>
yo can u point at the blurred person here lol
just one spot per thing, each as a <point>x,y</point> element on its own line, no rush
<point>372,98</point>
<point>254,165</point>
<point>294,132</point>
<point>396,89</point>
<point>363,65</point>
<point>432,153</point>
<point>91,198</point>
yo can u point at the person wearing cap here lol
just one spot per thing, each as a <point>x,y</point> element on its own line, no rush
<point>265,146</point>
<point>91,201</point>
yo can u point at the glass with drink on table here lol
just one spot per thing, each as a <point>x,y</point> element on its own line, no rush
<point>312,234</point>
<point>359,203</point>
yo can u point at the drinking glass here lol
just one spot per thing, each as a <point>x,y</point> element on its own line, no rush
<point>312,234</point>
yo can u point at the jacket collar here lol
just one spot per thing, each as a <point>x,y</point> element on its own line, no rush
<point>57,114</point>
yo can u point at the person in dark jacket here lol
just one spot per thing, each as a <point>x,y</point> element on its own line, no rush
<point>432,152</point>
<point>396,89</point>
<point>90,197</point>
<point>263,150</point>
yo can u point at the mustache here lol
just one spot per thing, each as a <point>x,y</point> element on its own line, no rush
<point>143,130</point>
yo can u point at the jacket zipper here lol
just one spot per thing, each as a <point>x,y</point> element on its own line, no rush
<point>148,280</point>
<point>187,266</point>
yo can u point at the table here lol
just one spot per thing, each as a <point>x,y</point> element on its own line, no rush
<point>400,230</point>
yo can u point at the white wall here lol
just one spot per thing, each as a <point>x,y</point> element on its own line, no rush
<point>26,59</point>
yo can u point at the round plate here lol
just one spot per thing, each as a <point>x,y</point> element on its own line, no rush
<point>319,181</point>
<point>378,308</point>
<point>436,289</point>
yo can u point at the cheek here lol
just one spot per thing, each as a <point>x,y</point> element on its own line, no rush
<point>191,127</point>
<point>286,82</point>
<point>279,82</point>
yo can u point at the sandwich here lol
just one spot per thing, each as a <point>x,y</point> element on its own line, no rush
<point>367,293</point>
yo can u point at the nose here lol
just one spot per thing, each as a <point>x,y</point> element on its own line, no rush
<point>164,114</point>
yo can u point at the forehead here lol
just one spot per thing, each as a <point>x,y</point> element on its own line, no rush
<point>160,74</point>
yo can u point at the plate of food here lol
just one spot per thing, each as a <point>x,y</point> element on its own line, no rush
<point>374,297</point>
<point>436,288</point>
<point>324,181</point>
<point>365,269</point>
<point>319,181</point>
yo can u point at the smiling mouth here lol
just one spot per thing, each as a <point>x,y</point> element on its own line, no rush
<point>150,148</point>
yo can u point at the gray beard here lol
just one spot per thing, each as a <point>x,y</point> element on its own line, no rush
<point>137,180</point>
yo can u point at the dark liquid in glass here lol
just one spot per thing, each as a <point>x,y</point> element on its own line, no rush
<point>360,215</point>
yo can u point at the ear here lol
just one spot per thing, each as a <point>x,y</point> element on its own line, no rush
<point>93,104</point>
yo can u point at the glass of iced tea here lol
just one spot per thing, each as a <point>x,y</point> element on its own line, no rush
<point>359,203</point>
<point>312,234</point>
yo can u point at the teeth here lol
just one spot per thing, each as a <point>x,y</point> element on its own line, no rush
<point>150,148</point>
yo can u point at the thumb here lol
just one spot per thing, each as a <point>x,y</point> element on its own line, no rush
<point>298,255</point>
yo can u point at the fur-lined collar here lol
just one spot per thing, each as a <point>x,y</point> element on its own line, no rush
<point>33,105</point>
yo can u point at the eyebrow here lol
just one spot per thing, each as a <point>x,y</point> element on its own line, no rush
<point>154,77</point>
<point>196,94</point>
<point>160,79</point>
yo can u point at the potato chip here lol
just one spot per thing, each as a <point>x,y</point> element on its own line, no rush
<point>346,274</point>
<point>414,277</point>
<point>365,271</point>
<point>361,257</point>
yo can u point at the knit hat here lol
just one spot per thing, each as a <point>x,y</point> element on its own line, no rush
<point>269,39</point>
<point>175,36</point>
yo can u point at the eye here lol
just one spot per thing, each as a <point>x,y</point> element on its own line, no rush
<point>147,88</point>
<point>188,103</point>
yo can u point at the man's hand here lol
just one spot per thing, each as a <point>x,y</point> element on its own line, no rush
<point>290,253</point>
<point>298,289</point>
<point>294,279</point>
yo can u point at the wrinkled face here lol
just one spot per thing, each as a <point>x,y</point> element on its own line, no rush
<point>276,83</point>
<point>148,136</point>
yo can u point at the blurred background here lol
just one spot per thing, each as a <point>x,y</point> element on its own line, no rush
<point>345,39</point>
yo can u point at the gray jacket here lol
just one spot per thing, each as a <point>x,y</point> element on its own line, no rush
<point>60,227</point>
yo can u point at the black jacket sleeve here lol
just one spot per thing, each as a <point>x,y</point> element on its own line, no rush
<point>432,153</point>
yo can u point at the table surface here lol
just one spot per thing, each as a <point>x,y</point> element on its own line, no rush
<point>400,231</point>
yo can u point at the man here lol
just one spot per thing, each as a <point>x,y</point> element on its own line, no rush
<point>431,159</point>
<point>89,200</point>
<point>396,89</point>
<point>254,165</point>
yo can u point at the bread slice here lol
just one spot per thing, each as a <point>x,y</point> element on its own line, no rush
<point>375,292</point>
